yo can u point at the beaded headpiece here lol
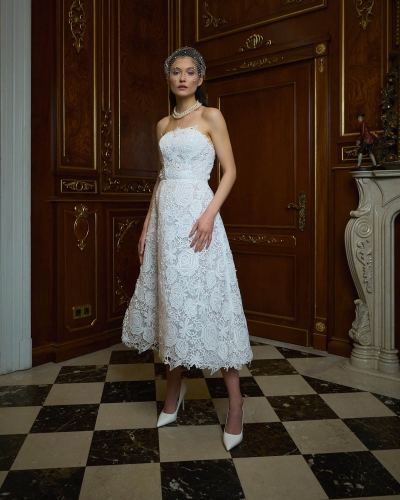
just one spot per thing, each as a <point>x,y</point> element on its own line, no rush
<point>185,52</point>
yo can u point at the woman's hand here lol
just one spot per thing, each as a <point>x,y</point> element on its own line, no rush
<point>142,243</point>
<point>202,229</point>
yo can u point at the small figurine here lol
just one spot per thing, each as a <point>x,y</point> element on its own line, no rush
<point>365,141</point>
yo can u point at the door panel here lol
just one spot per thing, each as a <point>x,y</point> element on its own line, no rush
<point>269,118</point>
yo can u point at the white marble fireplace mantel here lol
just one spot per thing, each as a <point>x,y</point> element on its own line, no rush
<point>369,242</point>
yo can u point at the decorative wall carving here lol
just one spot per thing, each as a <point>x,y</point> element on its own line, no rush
<point>263,239</point>
<point>255,42</point>
<point>120,292</point>
<point>301,208</point>
<point>320,49</point>
<point>123,229</point>
<point>361,329</point>
<point>210,19</point>
<point>106,151</point>
<point>77,22</point>
<point>364,11</point>
<point>78,185</point>
<point>288,2</point>
<point>257,63</point>
<point>364,255</point>
<point>81,222</point>
<point>320,327</point>
<point>321,64</point>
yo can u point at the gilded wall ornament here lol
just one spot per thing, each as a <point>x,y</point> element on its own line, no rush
<point>106,152</point>
<point>320,327</point>
<point>320,49</point>
<point>81,215</point>
<point>77,22</point>
<point>210,19</point>
<point>77,185</point>
<point>288,2</point>
<point>121,294</point>
<point>321,64</point>
<point>257,63</point>
<point>364,11</point>
<point>123,229</point>
<point>301,208</point>
<point>257,239</point>
<point>255,42</point>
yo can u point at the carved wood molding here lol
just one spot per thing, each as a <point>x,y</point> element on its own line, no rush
<point>255,42</point>
<point>140,186</point>
<point>257,63</point>
<point>210,19</point>
<point>275,240</point>
<point>81,214</point>
<point>77,185</point>
<point>123,229</point>
<point>364,11</point>
<point>77,22</point>
<point>106,150</point>
<point>121,294</point>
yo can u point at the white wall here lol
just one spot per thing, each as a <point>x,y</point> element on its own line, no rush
<point>15,194</point>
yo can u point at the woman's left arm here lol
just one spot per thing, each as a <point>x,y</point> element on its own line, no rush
<point>219,134</point>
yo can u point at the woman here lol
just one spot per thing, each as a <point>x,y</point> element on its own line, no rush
<point>187,303</point>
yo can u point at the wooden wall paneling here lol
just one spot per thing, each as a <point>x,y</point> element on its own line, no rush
<point>321,194</point>
<point>80,276</point>
<point>124,227</point>
<point>364,51</point>
<point>43,163</point>
<point>77,81</point>
<point>216,19</point>
<point>138,50</point>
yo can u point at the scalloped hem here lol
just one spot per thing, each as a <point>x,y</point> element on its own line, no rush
<point>174,364</point>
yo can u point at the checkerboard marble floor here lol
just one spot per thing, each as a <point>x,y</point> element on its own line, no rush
<point>86,429</point>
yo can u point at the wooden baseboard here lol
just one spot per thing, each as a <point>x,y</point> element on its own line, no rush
<point>340,347</point>
<point>319,341</point>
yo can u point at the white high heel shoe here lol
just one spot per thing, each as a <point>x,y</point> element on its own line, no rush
<point>167,418</point>
<point>232,440</point>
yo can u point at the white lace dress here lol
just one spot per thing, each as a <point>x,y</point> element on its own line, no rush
<point>187,305</point>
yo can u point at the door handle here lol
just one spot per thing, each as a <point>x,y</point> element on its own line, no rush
<point>301,208</point>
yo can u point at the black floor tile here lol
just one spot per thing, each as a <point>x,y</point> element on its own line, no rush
<point>292,353</point>
<point>121,392</point>
<point>307,407</point>
<point>392,403</point>
<point>200,480</point>
<point>80,374</point>
<point>248,386</point>
<point>161,374</point>
<point>352,475</point>
<point>23,395</point>
<point>323,387</point>
<point>10,444</point>
<point>43,484</point>
<point>271,367</point>
<point>265,440</point>
<point>377,433</point>
<point>127,357</point>
<point>127,446</point>
<point>66,418</point>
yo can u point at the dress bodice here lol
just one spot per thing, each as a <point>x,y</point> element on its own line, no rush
<point>186,153</point>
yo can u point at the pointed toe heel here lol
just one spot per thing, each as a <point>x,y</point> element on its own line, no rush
<point>232,440</point>
<point>168,418</point>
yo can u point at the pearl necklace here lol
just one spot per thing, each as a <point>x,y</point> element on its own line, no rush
<point>178,116</point>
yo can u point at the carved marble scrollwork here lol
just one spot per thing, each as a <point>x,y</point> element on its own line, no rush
<point>365,203</point>
<point>77,22</point>
<point>364,255</point>
<point>360,329</point>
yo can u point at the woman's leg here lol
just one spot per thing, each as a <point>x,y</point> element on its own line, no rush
<point>234,424</point>
<point>173,389</point>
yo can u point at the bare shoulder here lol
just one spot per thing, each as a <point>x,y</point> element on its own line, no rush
<point>213,116</point>
<point>162,125</point>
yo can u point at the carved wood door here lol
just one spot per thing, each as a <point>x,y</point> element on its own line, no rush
<point>269,213</point>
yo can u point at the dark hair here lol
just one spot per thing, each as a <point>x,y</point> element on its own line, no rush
<point>199,95</point>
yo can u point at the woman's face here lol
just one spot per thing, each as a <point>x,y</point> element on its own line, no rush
<point>184,77</point>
